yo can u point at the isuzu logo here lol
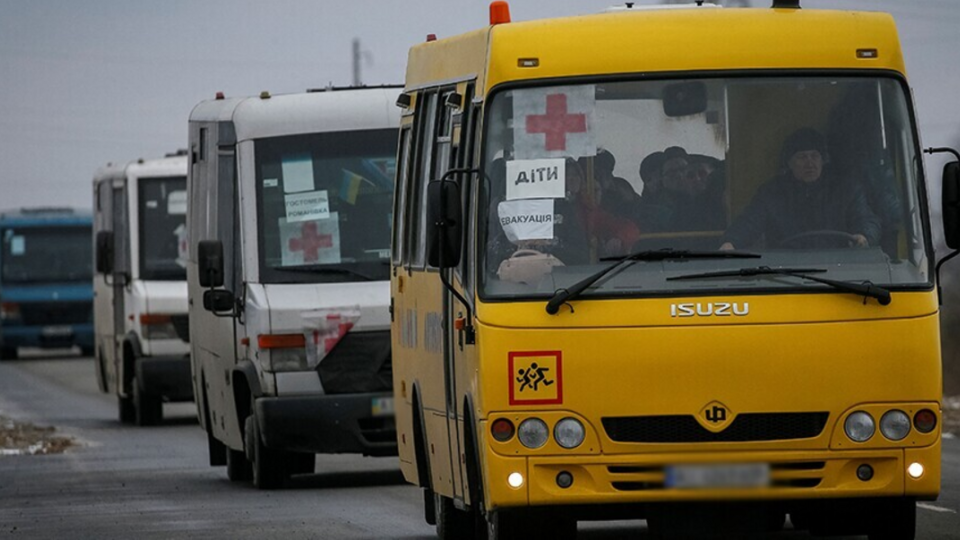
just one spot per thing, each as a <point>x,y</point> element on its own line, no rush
<point>710,309</point>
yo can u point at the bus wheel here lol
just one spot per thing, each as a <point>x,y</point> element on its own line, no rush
<point>268,470</point>
<point>527,523</point>
<point>452,524</point>
<point>127,412</point>
<point>301,463</point>
<point>238,467</point>
<point>895,520</point>
<point>86,351</point>
<point>149,407</point>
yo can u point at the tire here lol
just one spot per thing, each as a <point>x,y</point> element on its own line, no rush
<point>452,524</point>
<point>895,520</point>
<point>149,408</point>
<point>238,467</point>
<point>268,469</point>
<point>86,351</point>
<point>8,353</point>
<point>301,463</point>
<point>127,411</point>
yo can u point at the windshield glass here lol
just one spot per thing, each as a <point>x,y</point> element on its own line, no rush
<point>325,206</point>
<point>47,254</point>
<point>817,172</point>
<point>163,212</point>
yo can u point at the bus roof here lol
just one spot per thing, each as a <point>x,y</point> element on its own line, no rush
<point>172,165</point>
<point>341,109</point>
<point>44,216</point>
<point>661,41</point>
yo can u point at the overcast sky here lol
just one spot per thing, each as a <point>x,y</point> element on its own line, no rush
<point>86,82</point>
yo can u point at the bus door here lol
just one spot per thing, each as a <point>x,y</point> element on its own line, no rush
<point>119,224</point>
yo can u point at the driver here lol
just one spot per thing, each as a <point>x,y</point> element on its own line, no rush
<point>804,198</point>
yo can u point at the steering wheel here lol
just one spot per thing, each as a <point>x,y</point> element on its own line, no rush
<point>834,239</point>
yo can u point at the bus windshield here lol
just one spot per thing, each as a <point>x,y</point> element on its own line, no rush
<point>812,172</point>
<point>325,206</point>
<point>46,254</point>
<point>163,212</point>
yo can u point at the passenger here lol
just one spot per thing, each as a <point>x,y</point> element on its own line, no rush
<point>804,198</point>
<point>650,175</point>
<point>613,233</point>
<point>693,188</point>
<point>620,198</point>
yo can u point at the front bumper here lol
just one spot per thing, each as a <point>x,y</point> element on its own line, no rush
<point>327,424</point>
<point>166,376</point>
<point>47,337</point>
<point>639,478</point>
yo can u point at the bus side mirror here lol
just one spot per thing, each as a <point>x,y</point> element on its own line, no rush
<point>951,204</point>
<point>104,252</point>
<point>210,264</point>
<point>444,221</point>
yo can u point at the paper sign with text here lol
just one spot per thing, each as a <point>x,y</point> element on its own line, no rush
<point>307,206</point>
<point>527,219</point>
<point>536,179</point>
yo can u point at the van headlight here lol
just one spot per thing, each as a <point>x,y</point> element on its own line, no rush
<point>533,433</point>
<point>859,426</point>
<point>895,425</point>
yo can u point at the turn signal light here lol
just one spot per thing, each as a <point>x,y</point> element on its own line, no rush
<point>148,319</point>
<point>925,421</point>
<point>502,430</point>
<point>281,341</point>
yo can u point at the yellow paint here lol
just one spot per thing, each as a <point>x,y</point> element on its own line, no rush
<point>821,352</point>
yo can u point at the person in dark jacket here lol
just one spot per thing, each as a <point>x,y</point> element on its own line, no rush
<point>805,198</point>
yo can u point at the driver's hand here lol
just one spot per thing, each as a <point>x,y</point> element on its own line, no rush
<point>860,240</point>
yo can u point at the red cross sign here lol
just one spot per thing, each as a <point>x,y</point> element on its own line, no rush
<point>311,242</point>
<point>556,123</point>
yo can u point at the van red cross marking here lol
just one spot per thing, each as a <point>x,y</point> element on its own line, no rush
<point>311,242</point>
<point>556,123</point>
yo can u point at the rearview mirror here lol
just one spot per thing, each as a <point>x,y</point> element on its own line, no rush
<point>684,99</point>
<point>210,264</point>
<point>951,204</point>
<point>104,252</point>
<point>218,300</point>
<point>444,222</point>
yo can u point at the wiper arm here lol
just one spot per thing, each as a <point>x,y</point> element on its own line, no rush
<point>323,269</point>
<point>563,296</point>
<point>865,289</point>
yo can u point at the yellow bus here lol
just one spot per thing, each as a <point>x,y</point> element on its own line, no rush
<point>666,264</point>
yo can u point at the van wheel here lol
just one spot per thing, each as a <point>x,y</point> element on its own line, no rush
<point>149,407</point>
<point>452,524</point>
<point>8,353</point>
<point>895,520</point>
<point>127,411</point>
<point>268,470</point>
<point>238,467</point>
<point>301,463</point>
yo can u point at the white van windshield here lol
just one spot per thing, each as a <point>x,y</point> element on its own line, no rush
<point>325,205</point>
<point>163,214</point>
<point>817,173</point>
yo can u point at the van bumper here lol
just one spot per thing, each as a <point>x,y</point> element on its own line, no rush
<point>327,424</point>
<point>166,376</point>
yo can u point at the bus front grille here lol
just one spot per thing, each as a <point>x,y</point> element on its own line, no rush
<point>746,427</point>
<point>56,313</point>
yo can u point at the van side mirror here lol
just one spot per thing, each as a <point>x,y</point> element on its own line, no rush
<point>684,99</point>
<point>104,252</point>
<point>445,224</point>
<point>951,204</point>
<point>218,300</point>
<point>210,264</point>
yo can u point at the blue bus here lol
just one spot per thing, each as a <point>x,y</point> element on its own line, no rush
<point>46,280</point>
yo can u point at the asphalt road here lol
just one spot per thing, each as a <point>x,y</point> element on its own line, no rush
<point>126,482</point>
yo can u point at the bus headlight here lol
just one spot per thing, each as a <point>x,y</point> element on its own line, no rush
<point>569,433</point>
<point>859,426</point>
<point>895,425</point>
<point>533,433</point>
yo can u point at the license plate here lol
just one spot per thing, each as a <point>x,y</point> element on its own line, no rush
<point>56,331</point>
<point>740,475</point>
<point>381,406</point>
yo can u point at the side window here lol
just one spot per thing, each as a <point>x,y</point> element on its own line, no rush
<point>464,159</point>
<point>426,126</point>
<point>400,196</point>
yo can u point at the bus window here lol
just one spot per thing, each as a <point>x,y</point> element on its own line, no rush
<point>400,203</point>
<point>163,212</point>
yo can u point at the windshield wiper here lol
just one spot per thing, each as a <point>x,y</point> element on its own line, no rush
<point>324,269</point>
<point>865,289</point>
<point>563,296</point>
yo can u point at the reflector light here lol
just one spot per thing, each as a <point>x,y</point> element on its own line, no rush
<point>499,12</point>
<point>502,430</point>
<point>153,318</point>
<point>528,62</point>
<point>867,53</point>
<point>219,95</point>
<point>431,37</point>
<point>281,341</point>
<point>925,421</point>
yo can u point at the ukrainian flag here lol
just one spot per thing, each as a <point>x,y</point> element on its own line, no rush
<point>350,186</point>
